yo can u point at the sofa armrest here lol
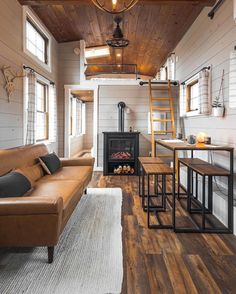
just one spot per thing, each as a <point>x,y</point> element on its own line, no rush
<point>30,205</point>
<point>77,161</point>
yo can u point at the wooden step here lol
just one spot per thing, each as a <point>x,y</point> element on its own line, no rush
<point>160,98</point>
<point>161,109</point>
<point>161,120</point>
<point>163,132</point>
<point>162,88</point>
<point>165,155</point>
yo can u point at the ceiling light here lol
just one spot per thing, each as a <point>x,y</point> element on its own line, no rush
<point>96,52</point>
<point>118,55</point>
<point>114,6</point>
<point>118,40</point>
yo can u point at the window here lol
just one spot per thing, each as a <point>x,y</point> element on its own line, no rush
<point>192,96</point>
<point>36,42</point>
<point>72,116</point>
<point>37,39</point>
<point>77,117</point>
<point>96,52</point>
<point>42,111</point>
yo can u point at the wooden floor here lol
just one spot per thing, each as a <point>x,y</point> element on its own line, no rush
<point>164,262</point>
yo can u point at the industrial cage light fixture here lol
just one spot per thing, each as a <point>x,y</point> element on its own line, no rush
<point>114,6</point>
<point>118,40</point>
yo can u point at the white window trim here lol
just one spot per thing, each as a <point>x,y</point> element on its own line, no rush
<point>28,13</point>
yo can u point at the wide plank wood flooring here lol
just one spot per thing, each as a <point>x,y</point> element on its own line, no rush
<point>160,261</point>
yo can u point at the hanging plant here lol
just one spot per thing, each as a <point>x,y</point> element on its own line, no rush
<point>218,108</point>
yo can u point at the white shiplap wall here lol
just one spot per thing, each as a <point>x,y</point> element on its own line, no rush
<point>68,75</point>
<point>137,99</point>
<point>209,42</point>
<point>11,54</point>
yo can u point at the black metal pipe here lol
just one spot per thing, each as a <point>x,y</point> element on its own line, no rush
<point>211,14</point>
<point>121,108</point>
<point>33,70</point>
<point>205,67</point>
<point>175,83</point>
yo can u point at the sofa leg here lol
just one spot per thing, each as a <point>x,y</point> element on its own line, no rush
<point>85,191</point>
<point>50,254</point>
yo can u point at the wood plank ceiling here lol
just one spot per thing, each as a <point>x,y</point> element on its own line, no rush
<point>83,95</point>
<point>153,27</point>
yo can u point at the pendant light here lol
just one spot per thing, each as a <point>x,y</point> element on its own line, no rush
<point>118,40</point>
<point>114,6</point>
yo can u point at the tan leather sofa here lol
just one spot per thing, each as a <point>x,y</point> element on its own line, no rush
<point>38,218</point>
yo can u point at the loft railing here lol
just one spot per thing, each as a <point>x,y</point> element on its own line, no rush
<point>94,69</point>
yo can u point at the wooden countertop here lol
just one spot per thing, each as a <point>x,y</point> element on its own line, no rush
<point>183,145</point>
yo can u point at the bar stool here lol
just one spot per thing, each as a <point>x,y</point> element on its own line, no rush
<point>209,171</point>
<point>187,162</point>
<point>146,160</point>
<point>162,170</point>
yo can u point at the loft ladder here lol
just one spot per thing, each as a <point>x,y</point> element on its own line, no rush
<point>168,108</point>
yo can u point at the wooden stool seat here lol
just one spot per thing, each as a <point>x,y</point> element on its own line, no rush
<point>192,161</point>
<point>157,169</point>
<point>150,160</point>
<point>209,170</point>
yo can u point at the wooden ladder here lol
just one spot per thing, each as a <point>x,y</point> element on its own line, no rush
<point>168,108</point>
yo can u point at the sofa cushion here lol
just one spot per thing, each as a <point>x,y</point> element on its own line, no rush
<point>50,163</point>
<point>14,158</point>
<point>64,189</point>
<point>32,173</point>
<point>69,191</point>
<point>14,184</point>
<point>78,173</point>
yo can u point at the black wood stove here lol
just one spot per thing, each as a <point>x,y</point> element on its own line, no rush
<point>121,149</point>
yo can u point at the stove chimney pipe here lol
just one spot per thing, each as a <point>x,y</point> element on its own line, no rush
<point>121,108</point>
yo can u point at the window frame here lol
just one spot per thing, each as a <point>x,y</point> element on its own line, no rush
<point>190,82</point>
<point>46,110</point>
<point>189,97</point>
<point>29,16</point>
<point>73,126</point>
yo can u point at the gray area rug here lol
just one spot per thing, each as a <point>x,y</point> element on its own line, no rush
<point>88,258</point>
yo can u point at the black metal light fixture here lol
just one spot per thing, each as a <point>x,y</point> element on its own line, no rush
<point>114,6</point>
<point>118,40</point>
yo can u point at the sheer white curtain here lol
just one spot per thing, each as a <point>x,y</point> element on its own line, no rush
<point>52,114</point>
<point>232,80</point>
<point>204,92</point>
<point>182,100</point>
<point>31,109</point>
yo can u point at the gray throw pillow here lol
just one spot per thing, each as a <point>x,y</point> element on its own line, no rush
<point>14,184</point>
<point>50,163</point>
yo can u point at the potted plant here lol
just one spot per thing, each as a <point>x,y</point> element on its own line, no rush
<point>217,107</point>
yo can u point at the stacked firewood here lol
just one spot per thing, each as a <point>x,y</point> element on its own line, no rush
<point>125,169</point>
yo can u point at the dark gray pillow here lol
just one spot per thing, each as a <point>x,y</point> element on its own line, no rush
<point>14,184</point>
<point>50,163</point>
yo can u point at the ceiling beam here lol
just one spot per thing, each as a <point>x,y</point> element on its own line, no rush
<point>77,2</point>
